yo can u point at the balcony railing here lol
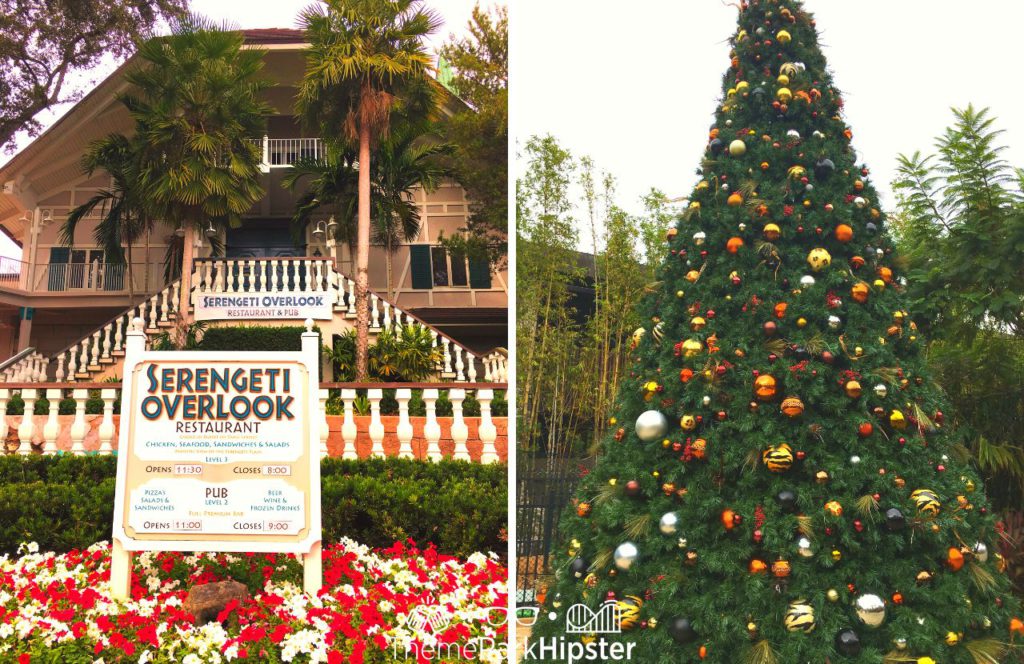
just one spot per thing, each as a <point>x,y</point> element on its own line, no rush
<point>284,152</point>
<point>96,277</point>
<point>12,272</point>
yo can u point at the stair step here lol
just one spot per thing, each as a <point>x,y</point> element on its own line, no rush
<point>106,361</point>
<point>117,353</point>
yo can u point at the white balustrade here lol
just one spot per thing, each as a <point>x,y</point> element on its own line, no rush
<point>460,432</point>
<point>28,396</point>
<point>376,429</point>
<point>404,430</point>
<point>487,432</point>
<point>348,427</point>
<point>52,428</point>
<point>431,429</point>
<point>5,396</point>
<point>106,428</point>
<point>78,427</point>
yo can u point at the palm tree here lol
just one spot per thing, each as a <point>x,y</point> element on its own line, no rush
<point>408,158</point>
<point>123,215</point>
<point>362,54</point>
<point>196,105</point>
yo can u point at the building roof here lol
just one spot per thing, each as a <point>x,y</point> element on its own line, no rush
<point>274,36</point>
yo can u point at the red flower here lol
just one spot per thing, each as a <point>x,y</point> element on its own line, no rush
<point>24,658</point>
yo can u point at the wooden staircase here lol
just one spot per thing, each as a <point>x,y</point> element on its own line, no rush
<point>98,355</point>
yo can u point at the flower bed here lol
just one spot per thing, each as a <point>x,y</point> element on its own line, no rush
<point>399,604</point>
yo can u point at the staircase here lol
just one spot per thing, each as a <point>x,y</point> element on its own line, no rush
<point>97,356</point>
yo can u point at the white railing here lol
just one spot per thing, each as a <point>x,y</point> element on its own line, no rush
<point>96,277</point>
<point>215,276</point>
<point>27,366</point>
<point>284,152</point>
<point>362,431</point>
<point>12,271</point>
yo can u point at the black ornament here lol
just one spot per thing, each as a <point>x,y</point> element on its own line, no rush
<point>758,93</point>
<point>579,567</point>
<point>681,630</point>
<point>894,519</point>
<point>824,169</point>
<point>787,500</point>
<point>801,353</point>
<point>848,643</point>
<point>872,228</point>
<point>716,146</point>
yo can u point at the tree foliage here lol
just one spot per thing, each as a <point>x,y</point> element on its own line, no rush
<point>44,44</point>
<point>960,228</point>
<point>479,63</point>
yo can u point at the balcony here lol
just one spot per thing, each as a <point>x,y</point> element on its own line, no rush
<point>284,152</point>
<point>93,278</point>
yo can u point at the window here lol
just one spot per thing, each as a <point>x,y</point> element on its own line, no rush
<point>433,267</point>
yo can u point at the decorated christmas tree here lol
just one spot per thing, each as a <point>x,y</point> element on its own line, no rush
<point>778,484</point>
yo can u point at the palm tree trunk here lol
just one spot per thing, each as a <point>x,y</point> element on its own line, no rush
<point>363,254</point>
<point>186,270</point>
<point>131,286</point>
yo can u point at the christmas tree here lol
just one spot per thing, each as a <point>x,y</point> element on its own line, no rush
<point>778,485</point>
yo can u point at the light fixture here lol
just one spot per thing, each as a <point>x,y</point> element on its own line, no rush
<point>211,231</point>
<point>332,226</point>
<point>318,231</point>
<point>179,231</point>
<point>47,215</point>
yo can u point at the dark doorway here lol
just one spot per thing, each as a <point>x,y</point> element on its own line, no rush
<point>262,238</point>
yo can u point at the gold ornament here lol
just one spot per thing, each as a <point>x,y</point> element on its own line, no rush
<point>784,37</point>
<point>692,347</point>
<point>778,459</point>
<point>785,95</point>
<point>834,508</point>
<point>792,407</point>
<point>897,420</point>
<point>832,595</point>
<point>629,612</point>
<point>819,259</point>
<point>800,617</point>
<point>765,387</point>
<point>853,389</point>
<point>688,422</point>
<point>926,501</point>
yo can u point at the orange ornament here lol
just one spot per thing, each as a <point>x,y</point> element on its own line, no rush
<point>865,429</point>
<point>714,133</point>
<point>1016,626</point>
<point>955,559</point>
<point>780,310</point>
<point>703,652</point>
<point>685,375</point>
<point>856,262</point>
<point>897,598</point>
<point>734,244</point>
<point>792,407</point>
<point>858,185</point>
<point>699,448</point>
<point>885,274</point>
<point>765,387</point>
<point>735,200</point>
<point>758,567</point>
<point>781,569</point>
<point>729,519</point>
<point>844,233</point>
<point>859,292</point>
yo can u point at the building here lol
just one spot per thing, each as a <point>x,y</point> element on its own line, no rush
<point>66,309</point>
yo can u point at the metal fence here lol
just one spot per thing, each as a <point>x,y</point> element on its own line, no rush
<point>544,486</point>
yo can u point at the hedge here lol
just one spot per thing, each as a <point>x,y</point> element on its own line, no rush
<point>66,502</point>
<point>252,337</point>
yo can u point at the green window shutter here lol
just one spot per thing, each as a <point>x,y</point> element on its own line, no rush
<point>419,261</point>
<point>479,273</point>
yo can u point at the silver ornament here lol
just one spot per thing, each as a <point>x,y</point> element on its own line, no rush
<point>651,425</point>
<point>879,252</point>
<point>854,460</point>
<point>806,281</point>
<point>706,400</point>
<point>881,390</point>
<point>794,134</point>
<point>669,523</point>
<point>742,226</point>
<point>870,609</point>
<point>803,547</point>
<point>725,186</point>
<point>901,643</point>
<point>625,555</point>
<point>834,322</point>
<point>981,552</point>
<point>682,543</point>
<point>819,135</point>
<point>860,201</point>
<point>699,237</point>
<point>728,123</point>
<point>809,187</point>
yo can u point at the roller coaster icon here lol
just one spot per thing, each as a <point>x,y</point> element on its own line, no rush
<point>579,619</point>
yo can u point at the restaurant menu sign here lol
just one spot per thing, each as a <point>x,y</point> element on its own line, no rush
<point>262,306</point>
<point>218,452</point>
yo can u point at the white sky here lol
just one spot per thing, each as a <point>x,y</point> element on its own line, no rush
<point>265,14</point>
<point>636,88</point>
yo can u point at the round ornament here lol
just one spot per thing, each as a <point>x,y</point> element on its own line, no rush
<point>737,148</point>
<point>786,500</point>
<point>625,555</point>
<point>669,523</point>
<point>881,390</point>
<point>803,547</point>
<point>681,630</point>
<point>870,609</point>
<point>824,169</point>
<point>807,281</point>
<point>778,458</point>
<point>927,501</point>
<point>765,387</point>
<point>651,425</point>
<point>629,612</point>
<point>800,617</point>
<point>819,259</point>
<point>688,422</point>
<point>792,407</point>
<point>848,643</point>
<point>980,551</point>
<point>894,519</point>
<point>578,567</point>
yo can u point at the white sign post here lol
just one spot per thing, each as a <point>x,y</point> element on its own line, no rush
<point>218,452</point>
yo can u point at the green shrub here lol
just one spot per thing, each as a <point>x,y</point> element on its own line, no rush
<point>252,337</point>
<point>65,502</point>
